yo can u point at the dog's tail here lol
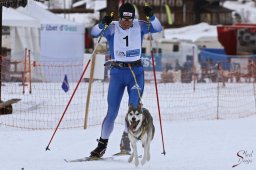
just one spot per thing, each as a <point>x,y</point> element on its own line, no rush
<point>148,116</point>
<point>153,132</point>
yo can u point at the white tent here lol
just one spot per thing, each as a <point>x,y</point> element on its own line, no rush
<point>201,34</point>
<point>60,40</point>
<point>19,22</point>
<point>24,33</point>
<point>14,18</point>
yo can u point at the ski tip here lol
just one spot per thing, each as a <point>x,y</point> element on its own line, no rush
<point>122,153</point>
<point>86,159</point>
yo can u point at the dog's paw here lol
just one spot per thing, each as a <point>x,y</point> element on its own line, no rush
<point>130,159</point>
<point>136,162</point>
<point>143,161</point>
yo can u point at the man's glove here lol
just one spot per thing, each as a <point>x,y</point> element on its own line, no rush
<point>148,11</point>
<point>107,20</point>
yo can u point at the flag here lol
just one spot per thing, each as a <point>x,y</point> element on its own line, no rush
<point>168,14</point>
<point>65,85</point>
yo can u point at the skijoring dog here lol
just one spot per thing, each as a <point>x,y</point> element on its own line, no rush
<point>140,127</point>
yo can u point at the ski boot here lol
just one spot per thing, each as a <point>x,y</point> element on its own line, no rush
<point>99,151</point>
<point>125,148</point>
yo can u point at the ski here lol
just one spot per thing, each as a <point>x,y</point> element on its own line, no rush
<point>86,159</point>
<point>122,153</point>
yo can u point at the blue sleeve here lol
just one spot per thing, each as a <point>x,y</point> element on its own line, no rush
<point>108,33</point>
<point>154,26</point>
<point>97,30</point>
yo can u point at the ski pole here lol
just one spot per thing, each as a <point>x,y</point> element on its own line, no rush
<point>156,89</point>
<point>82,75</point>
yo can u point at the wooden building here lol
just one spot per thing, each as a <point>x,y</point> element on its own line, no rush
<point>183,12</point>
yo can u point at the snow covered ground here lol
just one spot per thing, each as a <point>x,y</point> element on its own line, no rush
<point>190,145</point>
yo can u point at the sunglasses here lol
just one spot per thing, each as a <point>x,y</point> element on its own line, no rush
<point>126,19</point>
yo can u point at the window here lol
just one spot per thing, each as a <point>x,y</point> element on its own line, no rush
<point>214,18</point>
<point>143,50</point>
<point>175,48</point>
<point>172,2</point>
<point>225,18</point>
<point>179,3</point>
<point>206,17</point>
<point>156,3</point>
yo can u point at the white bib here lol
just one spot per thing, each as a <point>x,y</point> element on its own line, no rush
<point>127,43</point>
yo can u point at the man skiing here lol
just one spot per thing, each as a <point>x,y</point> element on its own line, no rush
<point>125,40</point>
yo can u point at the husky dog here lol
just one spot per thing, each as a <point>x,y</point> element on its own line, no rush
<point>140,127</point>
